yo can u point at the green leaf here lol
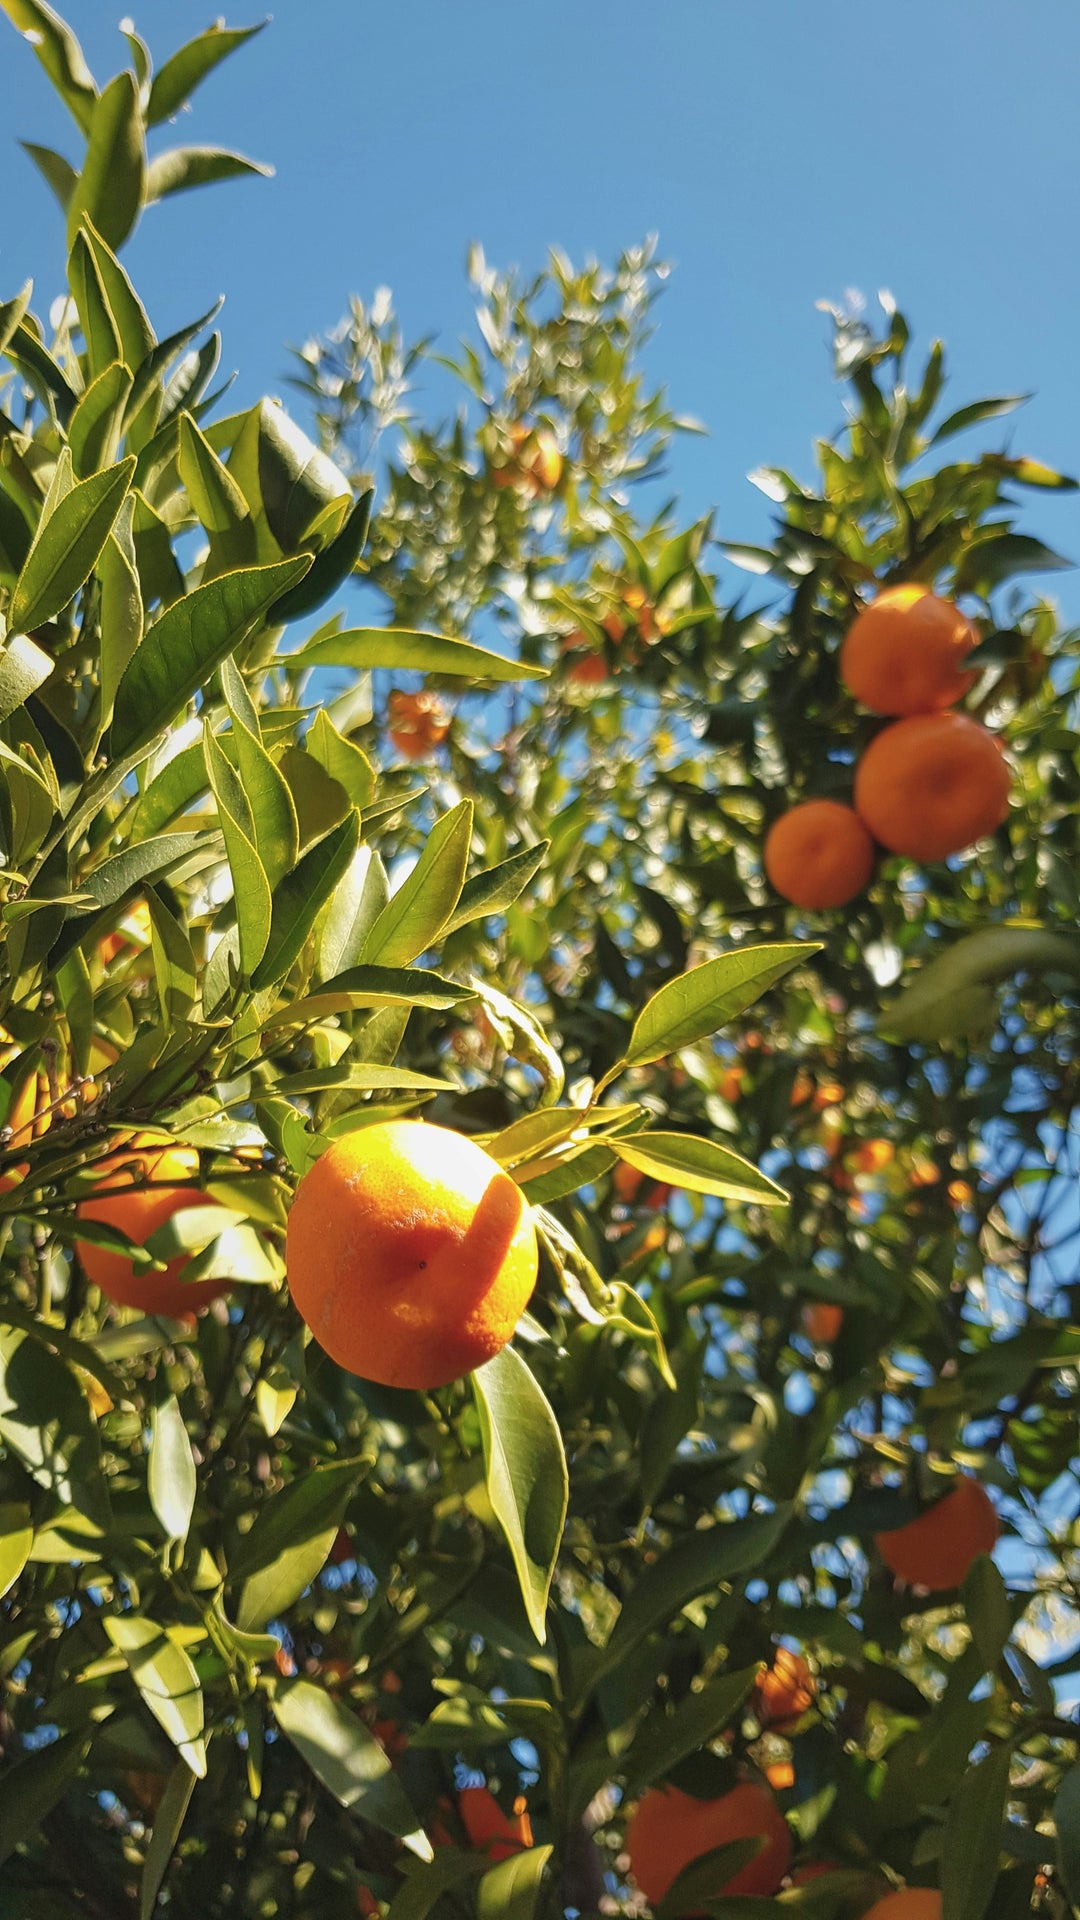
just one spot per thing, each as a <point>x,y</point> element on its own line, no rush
<point>952,990</point>
<point>700,1886</point>
<point>665,1738</point>
<point>32,1789</point>
<point>986,1604</point>
<point>126,310</point>
<point>58,173</point>
<point>45,1421</point>
<point>215,497</point>
<point>171,1473</point>
<point>525,1473</point>
<point>357,903</point>
<point>16,1539</point>
<point>187,643</point>
<point>116,878</point>
<point>23,668</point>
<point>972,1844</point>
<point>360,1076</point>
<point>344,762</point>
<point>424,1884</point>
<point>277,837</point>
<point>12,311</point>
<point>167,1681</point>
<point>175,971</point>
<point>703,1559</point>
<point>168,1820</point>
<point>122,613</point>
<point>700,1166</point>
<point>990,561</point>
<point>348,1760</point>
<point>251,887</point>
<point>363,987</point>
<point>330,568</point>
<point>179,76</point>
<point>286,480</point>
<point>301,896</point>
<point>67,544</point>
<point>60,55</point>
<point>416,914</point>
<point>95,426</point>
<point>706,998</point>
<point>170,792</point>
<point>110,188</point>
<point>287,1547</point>
<point>368,647</point>
<point>100,331</point>
<point>1067,1824</point>
<point>183,167</point>
<point>498,888</point>
<point>511,1890</point>
<point>34,360</point>
<point>976,413</point>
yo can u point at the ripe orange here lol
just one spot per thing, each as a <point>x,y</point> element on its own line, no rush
<point>410,1253</point>
<point>936,1550</point>
<point>872,1157</point>
<point>418,723</point>
<point>822,1322</point>
<point>904,653</point>
<point>490,1830</point>
<point>785,1691</point>
<point>819,854</point>
<point>729,1085</point>
<point>913,1903</point>
<point>585,665</point>
<point>535,463</point>
<point>668,1829</point>
<point>931,785</point>
<point>780,1776</point>
<point>138,1213</point>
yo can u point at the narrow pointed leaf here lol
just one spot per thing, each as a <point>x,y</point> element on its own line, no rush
<point>972,1843</point>
<point>168,1821</point>
<point>367,647</point>
<point>177,79</point>
<point>23,668</point>
<point>525,1471</point>
<point>67,546</point>
<point>110,188</point>
<point>182,167</point>
<point>706,998</point>
<point>60,55</point>
<point>301,896</point>
<point>171,1472</point>
<point>167,1681</point>
<point>497,889</point>
<point>346,1757</point>
<point>699,1165</point>
<point>416,914</point>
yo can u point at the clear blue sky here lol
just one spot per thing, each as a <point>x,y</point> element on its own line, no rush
<point>783,151</point>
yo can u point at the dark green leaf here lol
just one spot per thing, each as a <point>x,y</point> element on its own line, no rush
<point>185,645</point>
<point>1067,1824</point>
<point>95,426</point>
<point>31,1789</point>
<point>168,1820</point>
<point>23,668</point>
<point>167,1681</point>
<point>663,1739</point>
<point>330,568</point>
<point>491,892</point>
<point>976,413</point>
<point>986,1604</point>
<point>972,1843</point>
<point>301,896</point>
<point>66,547</point>
<point>58,173</point>
<point>701,1166</point>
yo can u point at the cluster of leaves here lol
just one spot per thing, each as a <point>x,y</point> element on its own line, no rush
<point>237,1580</point>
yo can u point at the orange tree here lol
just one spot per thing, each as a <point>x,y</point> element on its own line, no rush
<point>274,1639</point>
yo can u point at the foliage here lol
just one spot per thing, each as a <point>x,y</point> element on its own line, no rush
<point>260,1616</point>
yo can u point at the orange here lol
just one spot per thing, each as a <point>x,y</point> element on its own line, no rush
<point>490,1830</point>
<point>780,1776</point>
<point>535,463</point>
<point>418,723</point>
<point>139,1213</point>
<point>668,1829</point>
<point>822,1322</point>
<point>819,854</point>
<point>785,1691</point>
<point>936,1550</point>
<point>813,1870</point>
<point>872,1157</point>
<point>913,1903</point>
<point>410,1253</point>
<point>905,653</point>
<point>931,785</point>
<point>729,1085</point>
<point>585,666</point>
<point>961,1194</point>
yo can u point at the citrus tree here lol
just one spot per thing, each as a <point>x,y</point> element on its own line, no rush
<point>321,1601</point>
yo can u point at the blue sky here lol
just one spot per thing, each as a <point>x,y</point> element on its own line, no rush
<point>784,152</point>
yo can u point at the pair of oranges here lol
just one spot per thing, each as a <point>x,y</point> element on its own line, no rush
<point>635,615</point>
<point>928,786</point>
